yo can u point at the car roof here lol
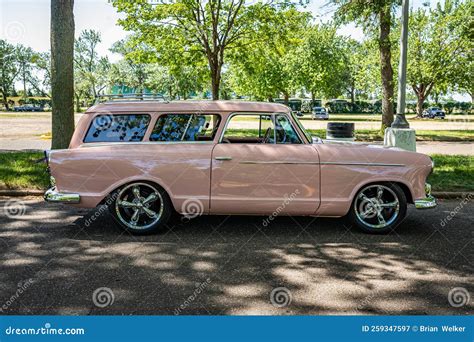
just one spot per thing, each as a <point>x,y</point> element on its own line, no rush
<point>187,106</point>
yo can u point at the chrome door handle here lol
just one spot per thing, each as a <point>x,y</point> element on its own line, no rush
<point>223,158</point>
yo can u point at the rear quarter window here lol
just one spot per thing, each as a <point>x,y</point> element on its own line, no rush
<point>117,128</point>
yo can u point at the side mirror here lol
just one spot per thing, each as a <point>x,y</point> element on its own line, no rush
<point>317,140</point>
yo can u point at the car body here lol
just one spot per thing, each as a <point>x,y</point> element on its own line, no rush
<point>434,112</point>
<point>207,157</point>
<point>28,108</point>
<point>320,113</point>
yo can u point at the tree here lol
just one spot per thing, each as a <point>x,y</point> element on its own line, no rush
<point>91,70</point>
<point>320,62</point>
<point>375,15</point>
<point>207,28</point>
<point>440,51</point>
<point>9,70</point>
<point>42,82</point>
<point>62,72</point>
<point>25,60</point>
<point>269,69</point>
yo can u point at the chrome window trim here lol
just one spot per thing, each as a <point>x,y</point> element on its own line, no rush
<point>85,145</point>
<point>230,116</point>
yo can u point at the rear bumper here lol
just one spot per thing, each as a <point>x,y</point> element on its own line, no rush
<point>52,195</point>
<point>428,202</point>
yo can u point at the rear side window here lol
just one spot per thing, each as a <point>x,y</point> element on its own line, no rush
<point>117,128</point>
<point>185,127</point>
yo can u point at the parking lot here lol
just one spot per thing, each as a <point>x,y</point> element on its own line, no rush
<point>54,258</point>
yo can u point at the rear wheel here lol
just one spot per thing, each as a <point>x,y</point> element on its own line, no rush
<point>379,208</point>
<point>141,207</point>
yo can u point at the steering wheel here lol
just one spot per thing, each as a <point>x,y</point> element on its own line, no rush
<point>267,135</point>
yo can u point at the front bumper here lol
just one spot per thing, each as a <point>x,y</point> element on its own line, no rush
<point>428,202</point>
<point>52,195</point>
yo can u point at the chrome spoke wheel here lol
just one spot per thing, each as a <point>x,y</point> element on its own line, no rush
<point>377,206</point>
<point>139,206</point>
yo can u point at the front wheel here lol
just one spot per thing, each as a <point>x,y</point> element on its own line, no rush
<point>379,208</point>
<point>141,207</point>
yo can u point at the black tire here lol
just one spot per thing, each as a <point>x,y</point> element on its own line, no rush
<point>145,224</point>
<point>360,206</point>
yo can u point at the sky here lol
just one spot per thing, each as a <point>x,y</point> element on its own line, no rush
<point>27,22</point>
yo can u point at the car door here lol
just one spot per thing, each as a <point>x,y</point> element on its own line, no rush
<point>253,176</point>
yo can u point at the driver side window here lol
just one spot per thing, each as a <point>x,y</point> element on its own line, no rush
<point>285,133</point>
<point>260,129</point>
<point>249,129</point>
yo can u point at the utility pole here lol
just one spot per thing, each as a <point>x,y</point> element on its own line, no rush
<point>400,120</point>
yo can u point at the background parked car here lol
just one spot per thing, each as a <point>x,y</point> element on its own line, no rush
<point>433,112</point>
<point>320,113</point>
<point>28,108</point>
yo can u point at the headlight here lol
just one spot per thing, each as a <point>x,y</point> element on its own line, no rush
<point>52,181</point>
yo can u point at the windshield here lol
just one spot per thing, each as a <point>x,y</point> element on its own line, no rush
<point>308,136</point>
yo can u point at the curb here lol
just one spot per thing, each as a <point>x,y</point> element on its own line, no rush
<point>21,192</point>
<point>440,194</point>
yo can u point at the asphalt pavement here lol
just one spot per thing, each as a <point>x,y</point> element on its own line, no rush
<point>61,260</point>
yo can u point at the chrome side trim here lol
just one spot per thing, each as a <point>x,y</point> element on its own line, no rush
<point>361,164</point>
<point>52,195</point>
<point>276,162</point>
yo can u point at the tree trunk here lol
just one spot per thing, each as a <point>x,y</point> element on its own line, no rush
<point>5,102</point>
<point>419,105</point>
<point>386,67</point>
<point>286,99</point>
<point>352,95</point>
<point>215,82</point>
<point>62,74</point>
<point>78,103</point>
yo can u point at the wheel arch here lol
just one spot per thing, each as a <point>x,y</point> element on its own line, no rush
<point>117,185</point>
<point>403,185</point>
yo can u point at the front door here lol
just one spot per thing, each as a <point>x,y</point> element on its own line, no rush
<point>262,166</point>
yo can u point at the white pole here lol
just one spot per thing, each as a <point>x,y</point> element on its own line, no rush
<point>400,120</point>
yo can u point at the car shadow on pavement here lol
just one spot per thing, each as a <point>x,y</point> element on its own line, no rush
<point>60,259</point>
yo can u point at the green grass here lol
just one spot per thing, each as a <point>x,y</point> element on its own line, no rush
<point>452,173</point>
<point>19,170</point>
<point>375,135</point>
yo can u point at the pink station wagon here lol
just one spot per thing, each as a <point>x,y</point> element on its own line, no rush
<point>148,159</point>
